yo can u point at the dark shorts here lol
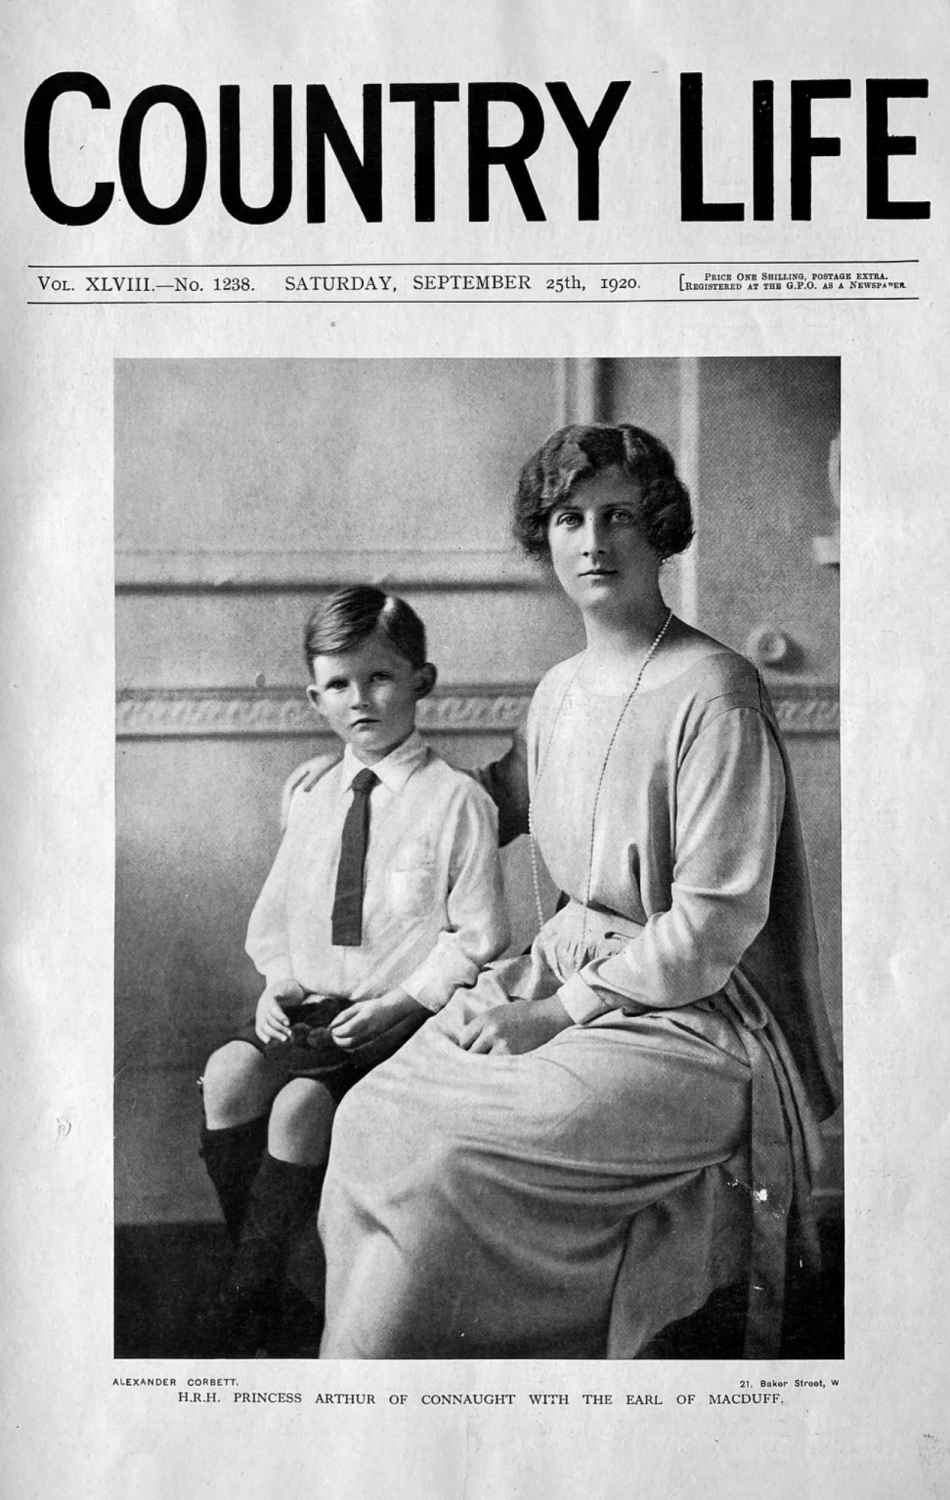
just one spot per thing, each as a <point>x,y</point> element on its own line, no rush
<point>311,1051</point>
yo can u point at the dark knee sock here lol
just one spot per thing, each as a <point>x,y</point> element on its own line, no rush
<point>281,1201</point>
<point>232,1158</point>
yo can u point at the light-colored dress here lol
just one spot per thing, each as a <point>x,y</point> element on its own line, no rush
<point>573,1200</point>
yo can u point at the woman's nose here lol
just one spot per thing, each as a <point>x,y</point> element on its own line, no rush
<point>592,536</point>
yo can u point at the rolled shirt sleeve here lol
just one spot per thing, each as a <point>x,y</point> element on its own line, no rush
<point>477,921</point>
<point>730,795</point>
<point>266,944</point>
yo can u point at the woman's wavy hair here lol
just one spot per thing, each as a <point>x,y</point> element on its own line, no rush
<point>579,452</point>
<point>351,615</point>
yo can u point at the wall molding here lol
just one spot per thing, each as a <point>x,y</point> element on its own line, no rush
<point>806,708</point>
<point>281,712</point>
<point>150,572</point>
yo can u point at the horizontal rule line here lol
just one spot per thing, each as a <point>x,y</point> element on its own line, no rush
<point>685,300</point>
<point>317,265</point>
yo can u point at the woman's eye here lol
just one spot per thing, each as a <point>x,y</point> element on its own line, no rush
<point>567,518</point>
<point>623,518</point>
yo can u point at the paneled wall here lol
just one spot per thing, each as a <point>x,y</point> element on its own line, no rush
<point>246,489</point>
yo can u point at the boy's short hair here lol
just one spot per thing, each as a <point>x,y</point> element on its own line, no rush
<point>350,616</point>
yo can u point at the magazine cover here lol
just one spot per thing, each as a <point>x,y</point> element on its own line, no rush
<point>475,933</point>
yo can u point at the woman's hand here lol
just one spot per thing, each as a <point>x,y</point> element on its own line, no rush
<point>366,1019</point>
<point>270,1021</point>
<point>520,1026</point>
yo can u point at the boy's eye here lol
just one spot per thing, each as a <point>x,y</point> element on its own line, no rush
<point>381,677</point>
<point>335,685</point>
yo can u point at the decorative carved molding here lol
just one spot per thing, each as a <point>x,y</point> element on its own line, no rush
<point>806,708</point>
<point>188,713</point>
<point>163,713</point>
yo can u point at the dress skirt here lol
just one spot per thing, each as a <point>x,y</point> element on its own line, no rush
<point>568,1202</point>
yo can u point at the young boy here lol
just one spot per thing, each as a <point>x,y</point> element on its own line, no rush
<point>385,897</point>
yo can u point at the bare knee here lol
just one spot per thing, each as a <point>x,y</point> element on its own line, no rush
<point>300,1122</point>
<point>236,1086</point>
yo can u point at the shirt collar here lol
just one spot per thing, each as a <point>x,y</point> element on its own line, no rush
<point>394,769</point>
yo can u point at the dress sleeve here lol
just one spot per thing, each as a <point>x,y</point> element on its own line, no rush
<point>476,930</point>
<point>729,800</point>
<point>506,782</point>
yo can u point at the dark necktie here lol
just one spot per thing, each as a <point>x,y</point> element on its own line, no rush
<point>347,917</point>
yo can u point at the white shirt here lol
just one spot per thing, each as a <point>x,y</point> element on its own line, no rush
<point>433,902</point>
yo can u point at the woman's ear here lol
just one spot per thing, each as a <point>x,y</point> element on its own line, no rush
<point>425,677</point>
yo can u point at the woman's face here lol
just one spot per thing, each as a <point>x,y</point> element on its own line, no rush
<point>599,553</point>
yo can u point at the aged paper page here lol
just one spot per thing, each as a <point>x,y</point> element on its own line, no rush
<point>289,296</point>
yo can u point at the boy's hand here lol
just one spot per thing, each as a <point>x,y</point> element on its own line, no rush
<point>270,1022</point>
<point>366,1019</point>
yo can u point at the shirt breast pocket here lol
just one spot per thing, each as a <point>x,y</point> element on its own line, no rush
<point>411,882</point>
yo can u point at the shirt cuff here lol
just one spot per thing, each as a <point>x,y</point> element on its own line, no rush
<point>429,985</point>
<point>580,1001</point>
<point>430,993</point>
<point>445,969</point>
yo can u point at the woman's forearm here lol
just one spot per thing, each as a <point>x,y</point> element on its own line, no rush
<point>730,798</point>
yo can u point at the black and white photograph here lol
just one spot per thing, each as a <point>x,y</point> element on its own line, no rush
<point>478,920</point>
<point>474,929</point>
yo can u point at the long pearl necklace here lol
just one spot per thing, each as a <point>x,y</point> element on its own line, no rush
<point>658,641</point>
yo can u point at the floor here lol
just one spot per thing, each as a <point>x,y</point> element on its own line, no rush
<point>165,1273</point>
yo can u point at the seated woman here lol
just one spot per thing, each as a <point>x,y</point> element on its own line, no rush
<point>581,1148</point>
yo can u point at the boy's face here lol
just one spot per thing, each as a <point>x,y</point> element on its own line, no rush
<point>368,696</point>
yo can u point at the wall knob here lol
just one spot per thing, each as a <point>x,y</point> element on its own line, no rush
<point>769,647</point>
